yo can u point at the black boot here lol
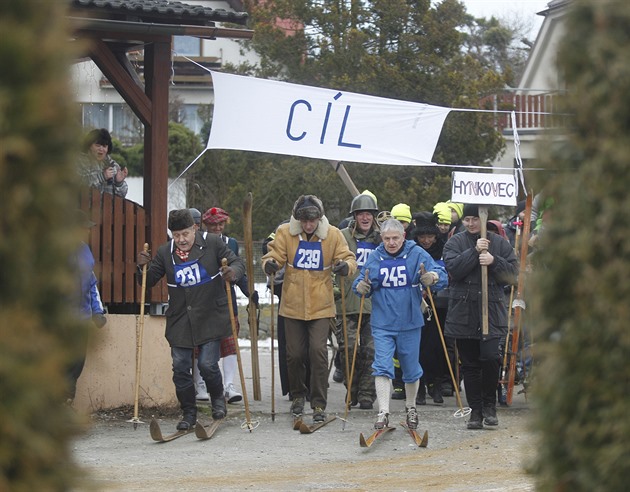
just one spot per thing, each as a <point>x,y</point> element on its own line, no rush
<point>476,419</point>
<point>437,392</point>
<point>188,404</point>
<point>489,412</point>
<point>421,397</point>
<point>219,407</point>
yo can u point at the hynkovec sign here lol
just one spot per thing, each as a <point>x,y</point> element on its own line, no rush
<point>484,189</point>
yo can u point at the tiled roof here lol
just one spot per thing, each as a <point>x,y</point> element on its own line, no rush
<point>165,11</point>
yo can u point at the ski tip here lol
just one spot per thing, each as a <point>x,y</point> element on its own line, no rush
<point>154,429</point>
<point>362,441</point>
<point>200,432</point>
<point>425,439</point>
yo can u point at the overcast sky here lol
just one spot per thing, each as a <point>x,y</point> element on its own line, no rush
<point>509,9</point>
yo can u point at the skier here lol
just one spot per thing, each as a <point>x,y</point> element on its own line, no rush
<point>393,280</point>
<point>310,248</point>
<point>197,315</point>
<point>362,237</point>
<point>464,255</point>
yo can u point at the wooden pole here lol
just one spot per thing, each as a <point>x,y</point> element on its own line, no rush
<point>139,336</point>
<point>483,216</point>
<point>253,319</point>
<point>228,290</point>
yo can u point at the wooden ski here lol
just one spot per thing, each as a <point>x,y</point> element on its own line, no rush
<point>309,429</point>
<point>421,441</point>
<point>156,433</point>
<point>519,302</point>
<point>366,443</point>
<point>206,432</point>
<point>253,319</point>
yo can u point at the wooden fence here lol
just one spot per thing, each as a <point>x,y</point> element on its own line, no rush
<point>119,234</point>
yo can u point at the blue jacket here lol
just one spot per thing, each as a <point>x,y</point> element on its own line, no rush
<point>89,297</point>
<point>396,290</point>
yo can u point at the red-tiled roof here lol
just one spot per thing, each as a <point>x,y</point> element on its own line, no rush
<point>162,11</point>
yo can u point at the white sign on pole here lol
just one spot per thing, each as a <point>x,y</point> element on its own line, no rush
<point>484,188</point>
<point>270,116</point>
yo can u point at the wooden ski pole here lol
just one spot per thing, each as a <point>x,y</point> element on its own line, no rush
<point>462,412</point>
<point>354,356</point>
<point>248,424</point>
<point>139,336</point>
<point>272,334</point>
<point>345,330</point>
<point>253,320</point>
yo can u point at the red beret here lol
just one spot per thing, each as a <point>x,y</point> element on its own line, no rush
<point>215,215</point>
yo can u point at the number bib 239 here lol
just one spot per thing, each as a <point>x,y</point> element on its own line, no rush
<point>308,256</point>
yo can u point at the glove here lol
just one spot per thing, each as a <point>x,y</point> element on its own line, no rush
<point>271,267</point>
<point>429,278</point>
<point>255,298</point>
<point>424,306</point>
<point>99,320</point>
<point>143,258</point>
<point>364,287</point>
<point>341,268</point>
<point>228,274</point>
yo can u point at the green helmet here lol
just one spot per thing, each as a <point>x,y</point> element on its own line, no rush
<point>363,202</point>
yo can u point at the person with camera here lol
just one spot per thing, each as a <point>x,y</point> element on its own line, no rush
<point>96,167</point>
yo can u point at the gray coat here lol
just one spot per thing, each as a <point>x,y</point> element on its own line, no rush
<point>464,308</point>
<point>197,314</point>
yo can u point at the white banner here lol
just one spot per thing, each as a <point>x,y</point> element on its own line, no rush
<point>484,189</point>
<point>281,118</point>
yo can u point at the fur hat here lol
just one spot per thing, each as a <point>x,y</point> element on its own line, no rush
<point>426,223</point>
<point>471,210</point>
<point>308,207</point>
<point>215,215</point>
<point>178,220</point>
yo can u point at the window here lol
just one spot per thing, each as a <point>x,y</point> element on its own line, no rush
<point>186,45</point>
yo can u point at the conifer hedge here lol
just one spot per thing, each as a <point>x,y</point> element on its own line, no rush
<point>37,236</point>
<point>581,287</point>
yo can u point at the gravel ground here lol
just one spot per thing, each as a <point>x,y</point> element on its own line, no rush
<point>273,457</point>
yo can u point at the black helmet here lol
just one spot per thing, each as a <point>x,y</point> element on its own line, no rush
<point>363,202</point>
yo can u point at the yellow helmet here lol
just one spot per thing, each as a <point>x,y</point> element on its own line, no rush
<point>402,212</point>
<point>443,212</point>
<point>457,207</point>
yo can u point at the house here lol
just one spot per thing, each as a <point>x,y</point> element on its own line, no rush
<point>537,91</point>
<point>190,90</point>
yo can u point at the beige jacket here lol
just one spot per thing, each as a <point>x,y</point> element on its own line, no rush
<point>308,294</point>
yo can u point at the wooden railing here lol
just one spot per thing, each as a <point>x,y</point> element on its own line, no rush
<point>119,234</point>
<point>539,111</point>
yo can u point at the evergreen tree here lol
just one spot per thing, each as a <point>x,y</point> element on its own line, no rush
<point>582,285</point>
<point>38,334</point>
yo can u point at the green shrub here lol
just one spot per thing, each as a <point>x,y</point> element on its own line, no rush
<point>582,285</point>
<point>37,236</point>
